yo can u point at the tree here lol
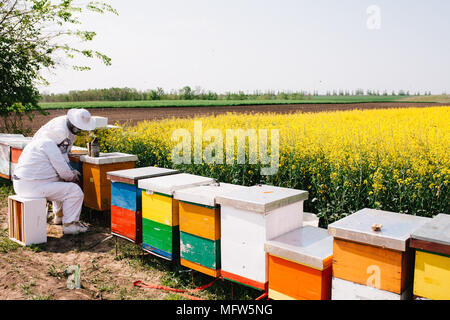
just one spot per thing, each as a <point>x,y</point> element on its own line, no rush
<point>18,94</point>
<point>38,33</point>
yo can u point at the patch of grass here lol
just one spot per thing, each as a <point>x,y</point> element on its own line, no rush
<point>6,189</point>
<point>443,98</point>
<point>206,103</point>
<point>26,288</point>
<point>7,245</point>
<point>57,273</point>
<point>36,247</point>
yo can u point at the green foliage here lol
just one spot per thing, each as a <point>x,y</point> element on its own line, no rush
<point>187,94</point>
<point>156,103</point>
<point>33,33</point>
<point>18,95</point>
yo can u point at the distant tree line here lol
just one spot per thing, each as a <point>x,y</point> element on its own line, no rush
<point>187,93</point>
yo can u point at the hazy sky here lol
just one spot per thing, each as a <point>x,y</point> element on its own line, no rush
<point>231,45</point>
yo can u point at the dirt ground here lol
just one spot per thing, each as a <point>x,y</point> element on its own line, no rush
<point>38,273</point>
<point>134,115</point>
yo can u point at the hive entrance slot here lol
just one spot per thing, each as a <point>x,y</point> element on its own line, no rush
<point>16,220</point>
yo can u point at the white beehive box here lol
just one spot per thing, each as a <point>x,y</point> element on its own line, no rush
<point>27,220</point>
<point>248,220</point>
<point>169,184</point>
<point>100,122</point>
<point>347,290</point>
<point>206,195</point>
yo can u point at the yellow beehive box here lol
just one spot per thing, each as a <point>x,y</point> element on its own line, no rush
<point>432,265</point>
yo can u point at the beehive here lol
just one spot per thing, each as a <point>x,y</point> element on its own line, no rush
<point>432,266</point>
<point>379,259</point>
<point>300,265</point>
<point>27,220</point>
<point>199,217</point>
<point>248,220</point>
<point>126,200</point>
<point>96,187</point>
<point>11,147</point>
<point>160,217</point>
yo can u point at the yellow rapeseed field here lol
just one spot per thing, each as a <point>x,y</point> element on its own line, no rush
<point>391,159</point>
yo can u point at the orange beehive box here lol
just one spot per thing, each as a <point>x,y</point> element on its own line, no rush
<point>96,186</point>
<point>379,258</point>
<point>300,265</point>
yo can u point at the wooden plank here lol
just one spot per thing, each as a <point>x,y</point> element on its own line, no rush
<point>370,265</point>
<point>347,290</point>
<point>120,179</point>
<point>125,196</point>
<point>430,246</point>
<point>164,238</point>
<point>15,155</point>
<point>432,276</point>
<point>18,220</point>
<point>160,208</point>
<point>243,280</point>
<point>195,266</point>
<point>11,217</point>
<point>200,221</point>
<point>199,250</point>
<point>5,161</point>
<point>126,223</point>
<point>298,281</point>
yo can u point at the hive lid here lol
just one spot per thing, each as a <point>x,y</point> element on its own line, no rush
<point>131,176</point>
<point>394,234</point>
<point>168,184</point>
<point>206,195</point>
<point>262,198</point>
<point>437,230</point>
<point>307,245</point>
<point>108,158</point>
<point>17,141</point>
<point>100,122</point>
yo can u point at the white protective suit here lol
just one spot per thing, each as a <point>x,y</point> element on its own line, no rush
<point>43,172</point>
<point>57,127</point>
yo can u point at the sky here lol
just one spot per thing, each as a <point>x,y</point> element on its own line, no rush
<point>248,45</point>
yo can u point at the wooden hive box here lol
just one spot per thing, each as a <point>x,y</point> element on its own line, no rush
<point>432,266</point>
<point>300,265</point>
<point>27,220</point>
<point>199,217</point>
<point>160,216</point>
<point>5,153</point>
<point>378,259</point>
<point>248,220</point>
<point>96,187</point>
<point>126,200</point>
<point>11,148</point>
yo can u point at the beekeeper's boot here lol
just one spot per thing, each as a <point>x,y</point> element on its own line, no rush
<point>74,228</point>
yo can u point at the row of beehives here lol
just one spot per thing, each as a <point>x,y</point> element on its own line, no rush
<point>255,236</point>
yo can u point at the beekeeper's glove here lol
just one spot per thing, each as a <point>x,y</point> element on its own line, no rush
<point>77,175</point>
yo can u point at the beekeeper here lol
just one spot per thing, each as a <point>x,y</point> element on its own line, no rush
<point>69,126</point>
<point>43,172</point>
